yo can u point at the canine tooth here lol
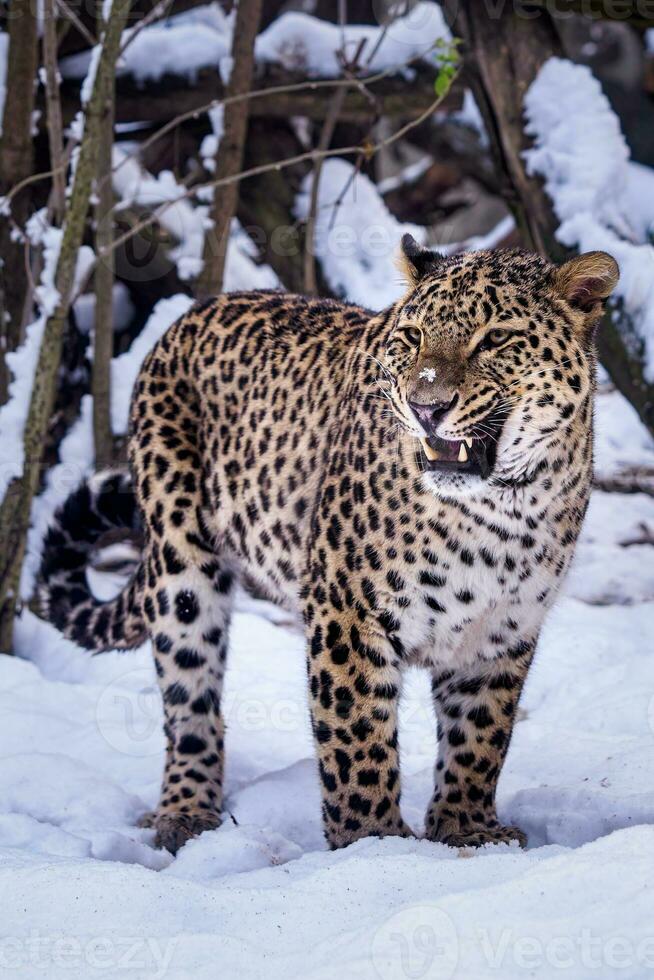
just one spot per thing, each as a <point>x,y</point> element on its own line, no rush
<point>429,452</point>
<point>463,454</point>
<point>468,442</point>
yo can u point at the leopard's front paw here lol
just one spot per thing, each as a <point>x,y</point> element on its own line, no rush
<point>342,837</point>
<point>174,829</point>
<point>484,835</point>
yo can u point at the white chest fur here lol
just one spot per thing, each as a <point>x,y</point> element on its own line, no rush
<point>486,587</point>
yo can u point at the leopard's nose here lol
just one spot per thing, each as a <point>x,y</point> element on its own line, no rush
<point>430,416</point>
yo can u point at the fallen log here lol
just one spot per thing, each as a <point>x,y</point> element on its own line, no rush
<point>174,95</point>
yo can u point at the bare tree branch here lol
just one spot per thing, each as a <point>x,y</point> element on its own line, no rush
<point>159,10</point>
<point>271,92</point>
<point>70,14</point>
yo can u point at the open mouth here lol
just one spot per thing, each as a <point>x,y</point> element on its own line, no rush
<point>475,456</point>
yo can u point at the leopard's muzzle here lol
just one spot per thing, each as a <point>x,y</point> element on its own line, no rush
<point>472,454</point>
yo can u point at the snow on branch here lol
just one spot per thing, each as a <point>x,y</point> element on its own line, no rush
<point>202,38</point>
<point>298,41</point>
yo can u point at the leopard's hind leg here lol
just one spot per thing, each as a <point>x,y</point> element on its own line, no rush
<point>188,610</point>
<point>187,592</point>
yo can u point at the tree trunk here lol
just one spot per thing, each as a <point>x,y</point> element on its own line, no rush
<point>53,111</point>
<point>229,158</point>
<point>16,506</point>
<point>104,282</point>
<point>503,55</point>
<point>15,165</point>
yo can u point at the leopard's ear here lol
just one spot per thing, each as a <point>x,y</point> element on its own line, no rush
<point>585,282</point>
<point>414,261</point>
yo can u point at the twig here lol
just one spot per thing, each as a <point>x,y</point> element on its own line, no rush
<point>378,43</point>
<point>32,179</point>
<point>310,283</point>
<point>74,19</point>
<point>358,163</point>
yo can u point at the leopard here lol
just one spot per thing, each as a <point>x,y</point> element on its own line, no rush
<point>410,484</point>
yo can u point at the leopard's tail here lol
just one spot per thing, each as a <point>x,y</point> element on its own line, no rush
<point>103,503</point>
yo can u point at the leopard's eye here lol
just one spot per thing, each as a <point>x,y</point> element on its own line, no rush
<point>496,337</point>
<point>413,336</point>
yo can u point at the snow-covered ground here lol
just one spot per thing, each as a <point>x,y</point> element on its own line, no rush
<point>85,894</point>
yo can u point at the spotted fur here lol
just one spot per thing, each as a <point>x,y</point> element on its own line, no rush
<point>279,437</point>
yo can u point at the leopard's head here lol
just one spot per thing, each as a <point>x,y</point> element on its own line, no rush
<point>490,363</point>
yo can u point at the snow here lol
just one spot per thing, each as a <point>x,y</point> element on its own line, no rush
<point>356,242</point>
<point>621,442</point>
<point>122,309</point>
<point>303,43</point>
<point>210,144</point>
<point>185,44</point>
<point>186,222</point>
<point>125,367</point>
<point>602,200</point>
<point>181,45</point>
<point>83,749</point>
<point>86,90</point>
